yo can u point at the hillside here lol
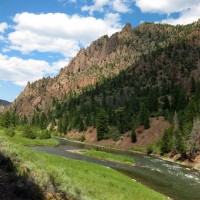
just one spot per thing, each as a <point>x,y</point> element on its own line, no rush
<point>118,83</point>
<point>105,57</point>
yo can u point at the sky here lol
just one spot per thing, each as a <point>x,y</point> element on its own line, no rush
<point>39,37</point>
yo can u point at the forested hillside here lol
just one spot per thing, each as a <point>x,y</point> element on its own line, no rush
<point>158,68</point>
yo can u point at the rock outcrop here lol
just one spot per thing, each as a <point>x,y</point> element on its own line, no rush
<point>104,58</point>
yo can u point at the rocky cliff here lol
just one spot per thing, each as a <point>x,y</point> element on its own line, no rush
<point>105,57</point>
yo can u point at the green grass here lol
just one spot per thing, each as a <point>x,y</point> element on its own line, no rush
<point>80,180</point>
<point>107,156</point>
<point>29,142</point>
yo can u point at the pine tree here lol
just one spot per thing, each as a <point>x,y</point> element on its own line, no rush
<point>144,116</point>
<point>194,141</point>
<point>166,141</point>
<point>6,120</point>
<point>43,121</point>
<point>101,124</point>
<point>133,136</point>
<point>60,126</point>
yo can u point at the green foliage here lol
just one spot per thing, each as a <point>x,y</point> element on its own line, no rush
<point>113,133</point>
<point>43,121</point>
<point>6,120</point>
<point>28,132</point>
<point>180,144</point>
<point>149,149</point>
<point>144,116</point>
<point>82,138</point>
<point>133,136</point>
<point>44,134</point>
<point>166,144</point>
<point>9,132</point>
<point>75,178</point>
<point>156,83</point>
<point>102,125</point>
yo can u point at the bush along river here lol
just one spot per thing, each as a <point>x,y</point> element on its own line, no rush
<point>171,179</point>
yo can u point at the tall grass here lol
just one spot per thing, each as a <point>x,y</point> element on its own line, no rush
<point>75,179</point>
<point>18,139</point>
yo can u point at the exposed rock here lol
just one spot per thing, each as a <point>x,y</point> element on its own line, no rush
<point>104,58</point>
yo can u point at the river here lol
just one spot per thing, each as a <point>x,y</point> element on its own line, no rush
<point>171,179</point>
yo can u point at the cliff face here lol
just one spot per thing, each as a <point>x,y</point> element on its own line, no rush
<point>104,58</point>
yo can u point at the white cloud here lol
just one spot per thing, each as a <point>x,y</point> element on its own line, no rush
<point>21,71</point>
<point>3,26</point>
<point>165,6</point>
<point>189,10</point>
<point>121,6</point>
<point>186,17</point>
<point>57,32</point>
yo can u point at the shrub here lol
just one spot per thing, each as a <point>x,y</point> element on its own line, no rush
<point>149,149</point>
<point>114,133</point>
<point>10,132</point>
<point>44,134</point>
<point>28,132</point>
<point>82,138</point>
<point>133,136</point>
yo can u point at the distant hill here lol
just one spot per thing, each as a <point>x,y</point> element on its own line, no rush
<point>3,104</point>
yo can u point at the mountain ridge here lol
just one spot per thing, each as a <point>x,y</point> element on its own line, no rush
<point>104,58</point>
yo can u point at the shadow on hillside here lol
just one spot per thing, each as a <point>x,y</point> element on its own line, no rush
<point>14,187</point>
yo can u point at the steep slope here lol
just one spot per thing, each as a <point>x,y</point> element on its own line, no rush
<point>104,58</point>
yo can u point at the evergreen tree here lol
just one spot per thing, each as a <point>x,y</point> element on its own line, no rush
<point>166,141</point>
<point>43,121</point>
<point>6,120</point>
<point>101,124</point>
<point>144,116</point>
<point>60,126</point>
<point>166,103</point>
<point>133,136</point>
<point>180,144</point>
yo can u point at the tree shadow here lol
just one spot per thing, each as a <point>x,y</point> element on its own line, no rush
<point>15,187</point>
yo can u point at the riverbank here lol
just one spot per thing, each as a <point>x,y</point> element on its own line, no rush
<point>14,186</point>
<point>142,151</point>
<point>62,178</point>
<point>18,139</point>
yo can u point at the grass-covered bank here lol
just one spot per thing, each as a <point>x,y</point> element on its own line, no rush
<point>108,156</point>
<point>15,186</point>
<point>75,179</point>
<point>19,139</point>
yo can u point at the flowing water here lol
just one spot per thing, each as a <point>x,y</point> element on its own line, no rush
<point>173,180</point>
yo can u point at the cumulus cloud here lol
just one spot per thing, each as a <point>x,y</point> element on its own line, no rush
<point>165,6</point>
<point>189,10</point>
<point>21,71</point>
<point>57,32</point>
<point>186,17</point>
<point>121,6</point>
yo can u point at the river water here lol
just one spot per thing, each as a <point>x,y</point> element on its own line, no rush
<point>173,180</point>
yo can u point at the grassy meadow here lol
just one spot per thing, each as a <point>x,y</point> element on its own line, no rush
<point>62,178</point>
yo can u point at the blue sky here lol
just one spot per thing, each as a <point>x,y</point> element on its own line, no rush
<point>39,37</point>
